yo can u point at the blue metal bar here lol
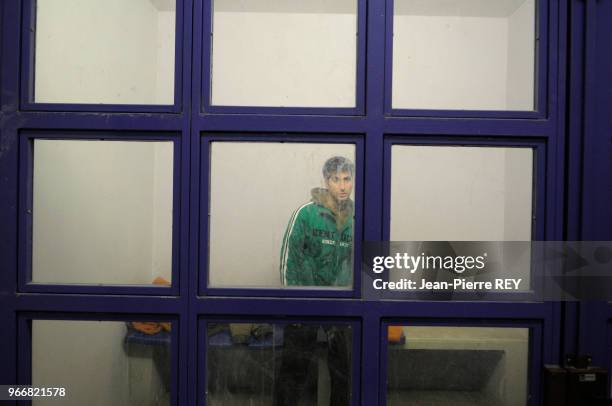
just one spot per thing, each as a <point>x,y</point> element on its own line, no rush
<point>28,61</point>
<point>26,206</point>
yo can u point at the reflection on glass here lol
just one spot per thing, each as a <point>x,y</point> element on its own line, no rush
<point>287,53</point>
<point>464,54</point>
<point>111,51</point>
<point>102,363</point>
<point>287,208</point>
<point>460,366</point>
<point>278,364</point>
<point>102,212</point>
<point>451,193</point>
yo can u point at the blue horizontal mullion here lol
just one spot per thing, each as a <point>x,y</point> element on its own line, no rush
<point>471,127</point>
<point>97,121</point>
<point>99,304</point>
<point>259,123</point>
<point>383,309</point>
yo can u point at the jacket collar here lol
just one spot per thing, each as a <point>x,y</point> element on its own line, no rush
<point>342,211</point>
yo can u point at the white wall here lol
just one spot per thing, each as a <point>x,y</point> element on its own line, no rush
<point>463,55</point>
<point>162,202</point>
<point>451,193</point>
<point>286,53</point>
<point>521,57</point>
<point>102,211</point>
<point>113,51</point>
<point>255,187</point>
<point>165,59</point>
<point>89,360</point>
<point>518,184</point>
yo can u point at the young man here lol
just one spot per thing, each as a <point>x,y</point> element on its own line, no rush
<point>318,244</point>
<point>318,251</point>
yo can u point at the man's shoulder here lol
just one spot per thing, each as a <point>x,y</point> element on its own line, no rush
<point>305,209</point>
<point>309,211</point>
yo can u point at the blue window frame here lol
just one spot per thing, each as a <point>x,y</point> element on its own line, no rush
<point>203,32</point>
<point>192,123</point>
<point>355,348</point>
<point>534,327</point>
<point>204,218</point>
<point>182,61</point>
<point>546,31</point>
<point>27,139</point>
<point>170,342</point>
<point>590,190</point>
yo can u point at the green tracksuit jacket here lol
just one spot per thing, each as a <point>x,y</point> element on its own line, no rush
<point>317,247</point>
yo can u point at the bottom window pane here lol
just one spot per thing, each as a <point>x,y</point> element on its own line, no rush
<point>278,364</point>
<point>102,363</point>
<point>457,366</point>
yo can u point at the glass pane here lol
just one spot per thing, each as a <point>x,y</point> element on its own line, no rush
<point>287,53</point>
<point>461,366</point>
<point>112,51</point>
<point>102,363</point>
<point>441,193</point>
<point>281,214</point>
<point>464,54</point>
<point>450,193</point>
<point>251,364</point>
<point>102,212</point>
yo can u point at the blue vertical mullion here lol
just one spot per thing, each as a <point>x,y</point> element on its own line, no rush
<point>9,41</point>
<point>195,352</point>
<point>196,103</point>
<point>184,339</point>
<point>8,232</point>
<point>575,120</point>
<point>198,98</point>
<point>579,340</point>
<point>556,144</point>
<point>573,185</point>
<point>375,89</point>
<point>8,338</point>
<point>596,193</point>
<point>535,361</point>
<point>24,352</point>
<point>376,60</point>
<point>557,57</point>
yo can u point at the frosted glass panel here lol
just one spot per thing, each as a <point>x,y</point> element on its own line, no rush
<point>452,193</point>
<point>464,54</point>
<point>102,212</point>
<point>111,51</point>
<point>255,364</point>
<point>287,53</point>
<point>102,363</point>
<point>276,219</point>
<point>463,366</point>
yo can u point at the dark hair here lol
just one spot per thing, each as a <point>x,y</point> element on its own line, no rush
<point>337,164</point>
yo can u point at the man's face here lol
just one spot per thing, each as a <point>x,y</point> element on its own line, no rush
<point>340,185</point>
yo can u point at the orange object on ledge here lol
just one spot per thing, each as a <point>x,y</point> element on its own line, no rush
<point>148,327</point>
<point>394,334</point>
